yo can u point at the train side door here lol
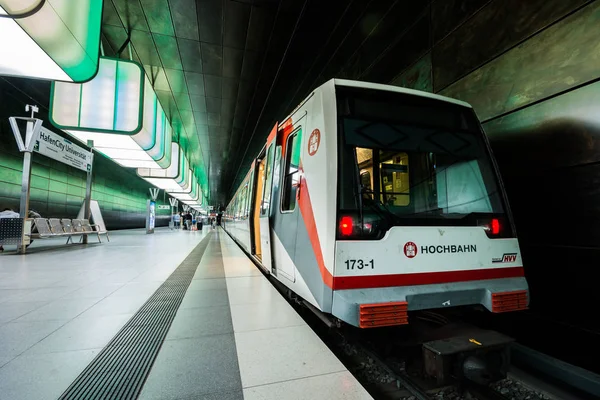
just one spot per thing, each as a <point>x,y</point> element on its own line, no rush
<point>265,208</point>
<point>289,213</point>
<point>259,182</point>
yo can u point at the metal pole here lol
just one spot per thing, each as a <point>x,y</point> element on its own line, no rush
<point>24,205</point>
<point>26,180</point>
<point>88,193</point>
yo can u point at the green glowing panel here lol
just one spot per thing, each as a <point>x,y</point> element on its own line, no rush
<point>59,41</point>
<point>119,111</point>
<point>165,178</point>
<point>111,102</point>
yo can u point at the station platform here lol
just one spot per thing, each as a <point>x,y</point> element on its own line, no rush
<point>173,315</point>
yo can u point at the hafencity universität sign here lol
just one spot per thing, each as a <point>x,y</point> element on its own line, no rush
<point>54,146</point>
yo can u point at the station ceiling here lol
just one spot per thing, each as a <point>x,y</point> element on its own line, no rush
<point>226,70</point>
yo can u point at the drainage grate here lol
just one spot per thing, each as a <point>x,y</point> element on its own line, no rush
<point>121,368</point>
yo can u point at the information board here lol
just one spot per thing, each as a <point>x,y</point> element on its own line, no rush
<point>58,148</point>
<point>95,214</point>
<point>150,216</point>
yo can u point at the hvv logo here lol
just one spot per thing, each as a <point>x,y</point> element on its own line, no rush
<point>506,258</point>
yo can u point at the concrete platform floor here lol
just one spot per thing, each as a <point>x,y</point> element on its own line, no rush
<point>233,335</point>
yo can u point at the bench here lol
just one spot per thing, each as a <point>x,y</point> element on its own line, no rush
<point>54,227</point>
<point>83,226</point>
<point>97,228</point>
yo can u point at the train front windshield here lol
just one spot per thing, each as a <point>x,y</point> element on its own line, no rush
<point>412,161</point>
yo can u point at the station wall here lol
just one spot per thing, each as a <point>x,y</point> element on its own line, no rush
<point>531,71</point>
<point>58,190</point>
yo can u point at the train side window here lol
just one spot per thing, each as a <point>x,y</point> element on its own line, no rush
<point>250,194</point>
<point>267,190</point>
<point>233,208</point>
<point>243,202</point>
<point>292,177</point>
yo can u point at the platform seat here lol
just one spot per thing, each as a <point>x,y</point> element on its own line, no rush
<point>99,229</point>
<point>55,227</point>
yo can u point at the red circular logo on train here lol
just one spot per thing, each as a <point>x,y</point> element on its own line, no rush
<point>410,249</point>
<point>313,142</point>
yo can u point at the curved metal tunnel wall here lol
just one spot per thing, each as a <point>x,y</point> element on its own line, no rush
<point>531,71</point>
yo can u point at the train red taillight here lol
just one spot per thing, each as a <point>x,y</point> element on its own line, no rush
<point>353,226</point>
<point>495,226</point>
<point>346,225</point>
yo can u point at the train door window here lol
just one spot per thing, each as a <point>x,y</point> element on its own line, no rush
<point>243,202</point>
<point>250,187</point>
<point>291,177</point>
<point>277,170</point>
<point>269,178</point>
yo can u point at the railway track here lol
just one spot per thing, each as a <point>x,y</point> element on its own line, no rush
<point>420,391</point>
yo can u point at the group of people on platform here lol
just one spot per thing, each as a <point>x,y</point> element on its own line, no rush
<point>188,221</point>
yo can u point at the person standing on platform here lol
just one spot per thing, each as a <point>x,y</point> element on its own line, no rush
<point>188,220</point>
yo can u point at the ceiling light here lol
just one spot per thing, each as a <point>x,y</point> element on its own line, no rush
<point>51,39</point>
<point>119,111</point>
<point>171,178</point>
<point>192,195</point>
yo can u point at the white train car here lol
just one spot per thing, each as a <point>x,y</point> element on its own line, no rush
<point>371,201</point>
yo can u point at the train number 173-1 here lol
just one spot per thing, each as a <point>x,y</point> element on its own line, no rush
<point>359,264</point>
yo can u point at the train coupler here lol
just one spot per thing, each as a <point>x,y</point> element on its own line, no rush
<point>482,357</point>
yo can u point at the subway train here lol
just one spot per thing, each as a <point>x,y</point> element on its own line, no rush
<point>371,201</point>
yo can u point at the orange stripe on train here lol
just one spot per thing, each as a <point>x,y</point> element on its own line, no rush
<point>311,227</point>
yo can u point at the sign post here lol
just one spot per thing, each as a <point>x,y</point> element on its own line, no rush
<point>33,126</point>
<point>151,210</point>
<point>174,203</point>
<point>43,141</point>
<point>88,188</point>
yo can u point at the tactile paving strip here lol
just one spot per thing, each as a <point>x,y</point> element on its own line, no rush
<point>121,368</point>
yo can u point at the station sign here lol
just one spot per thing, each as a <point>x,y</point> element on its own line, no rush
<point>60,149</point>
<point>164,207</point>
